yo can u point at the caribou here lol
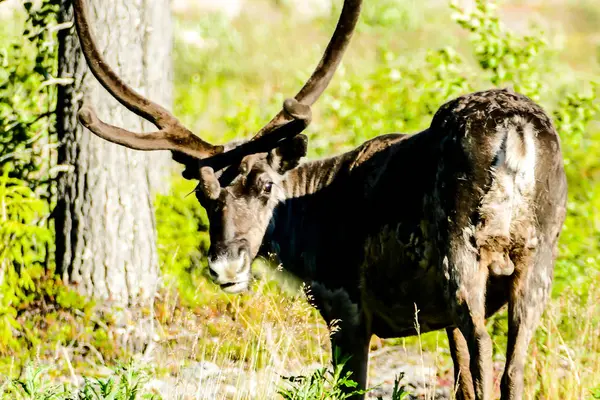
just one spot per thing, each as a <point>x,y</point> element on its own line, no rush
<point>444,226</point>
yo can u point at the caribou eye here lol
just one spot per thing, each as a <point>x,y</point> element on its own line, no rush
<point>268,187</point>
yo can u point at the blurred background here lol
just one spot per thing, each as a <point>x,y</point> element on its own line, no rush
<point>224,67</point>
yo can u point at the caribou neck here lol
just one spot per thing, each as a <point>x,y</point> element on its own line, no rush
<point>294,237</point>
<point>314,176</point>
<point>317,229</point>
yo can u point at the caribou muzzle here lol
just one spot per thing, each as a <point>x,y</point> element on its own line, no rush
<point>229,266</point>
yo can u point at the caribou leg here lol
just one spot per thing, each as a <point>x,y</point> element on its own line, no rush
<point>353,345</point>
<point>529,295</point>
<point>466,287</point>
<point>350,330</point>
<point>459,351</point>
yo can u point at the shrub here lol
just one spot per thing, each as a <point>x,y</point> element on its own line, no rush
<point>28,93</point>
<point>331,383</point>
<point>323,384</point>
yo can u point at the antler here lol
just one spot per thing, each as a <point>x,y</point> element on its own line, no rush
<point>172,135</point>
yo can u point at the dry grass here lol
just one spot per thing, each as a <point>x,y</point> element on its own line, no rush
<point>252,353</point>
<point>250,341</point>
<point>564,360</point>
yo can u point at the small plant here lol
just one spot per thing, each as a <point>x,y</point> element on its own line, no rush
<point>127,384</point>
<point>331,383</point>
<point>323,384</point>
<point>398,392</point>
<point>508,58</point>
<point>34,386</point>
<point>24,240</point>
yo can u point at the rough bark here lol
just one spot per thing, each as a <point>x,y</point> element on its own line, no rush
<point>105,230</point>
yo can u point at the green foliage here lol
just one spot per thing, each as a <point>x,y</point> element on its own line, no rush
<point>575,119</point>
<point>389,14</point>
<point>398,392</point>
<point>323,384</point>
<point>24,245</point>
<point>183,241</point>
<point>508,58</point>
<point>399,96</point>
<point>33,386</point>
<point>331,383</point>
<point>127,383</point>
<point>28,92</point>
<point>36,310</point>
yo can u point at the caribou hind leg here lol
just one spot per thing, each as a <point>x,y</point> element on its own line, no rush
<point>467,301</point>
<point>528,298</point>
<point>459,351</point>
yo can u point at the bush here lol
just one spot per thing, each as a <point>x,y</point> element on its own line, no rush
<point>182,227</point>
<point>331,383</point>
<point>323,384</point>
<point>24,245</point>
<point>127,383</point>
<point>28,93</point>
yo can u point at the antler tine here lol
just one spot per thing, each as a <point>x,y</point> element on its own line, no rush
<point>299,106</point>
<point>172,135</point>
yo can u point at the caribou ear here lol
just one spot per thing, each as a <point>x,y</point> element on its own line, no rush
<point>209,184</point>
<point>288,155</point>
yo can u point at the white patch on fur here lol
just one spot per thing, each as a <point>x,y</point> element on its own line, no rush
<point>520,150</point>
<point>466,255</point>
<point>514,179</point>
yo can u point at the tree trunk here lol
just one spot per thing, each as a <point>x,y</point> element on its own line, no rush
<point>105,230</point>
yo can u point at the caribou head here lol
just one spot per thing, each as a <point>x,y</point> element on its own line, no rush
<point>240,208</point>
<point>239,183</point>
